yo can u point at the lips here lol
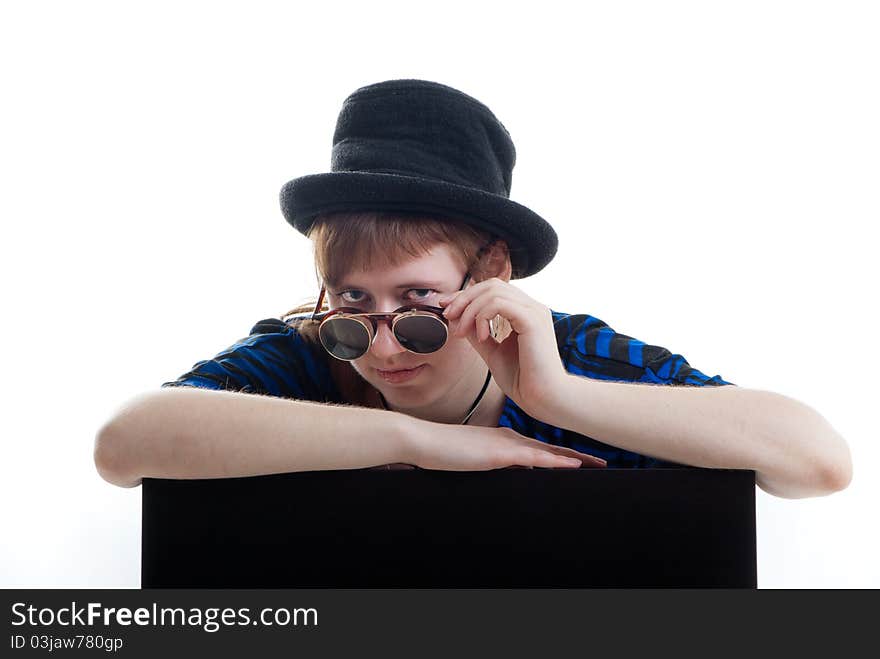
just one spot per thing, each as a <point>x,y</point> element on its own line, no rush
<point>400,375</point>
<point>397,370</point>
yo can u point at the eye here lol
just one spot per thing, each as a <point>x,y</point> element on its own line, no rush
<point>349,293</point>
<point>354,296</point>
<point>427,292</point>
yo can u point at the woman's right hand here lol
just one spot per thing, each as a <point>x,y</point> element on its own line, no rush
<point>478,448</point>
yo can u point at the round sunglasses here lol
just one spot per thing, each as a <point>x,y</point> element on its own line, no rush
<point>347,333</point>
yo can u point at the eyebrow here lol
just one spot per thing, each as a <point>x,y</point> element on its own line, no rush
<point>418,284</point>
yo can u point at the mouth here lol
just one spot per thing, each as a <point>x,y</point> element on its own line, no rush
<point>400,375</point>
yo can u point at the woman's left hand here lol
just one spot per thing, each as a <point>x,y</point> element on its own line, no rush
<point>526,364</point>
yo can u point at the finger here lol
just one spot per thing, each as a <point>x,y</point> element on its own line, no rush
<point>463,298</point>
<point>484,330</point>
<point>536,446</point>
<point>487,306</point>
<point>554,461</point>
<point>539,458</point>
<point>586,459</point>
<point>513,314</point>
<point>447,299</point>
<point>454,302</point>
<point>592,460</point>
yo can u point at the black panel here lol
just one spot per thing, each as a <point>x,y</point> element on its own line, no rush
<point>641,528</point>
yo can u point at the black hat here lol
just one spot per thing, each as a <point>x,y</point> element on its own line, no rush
<point>419,146</point>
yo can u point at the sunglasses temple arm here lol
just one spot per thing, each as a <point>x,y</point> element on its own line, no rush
<point>320,301</point>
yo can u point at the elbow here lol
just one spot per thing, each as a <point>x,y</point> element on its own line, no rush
<point>818,467</point>
<point>835,473</point>
<point>119,450</point>
<point>818,476</point>
<point>112,457</point>
<point>833,461</point>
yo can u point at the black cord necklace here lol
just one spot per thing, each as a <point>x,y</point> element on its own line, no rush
<point>473,406</point>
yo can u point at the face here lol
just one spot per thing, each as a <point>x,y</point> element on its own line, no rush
<point>421,280</point>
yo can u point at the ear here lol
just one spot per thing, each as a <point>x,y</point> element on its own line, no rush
<point>495,262</point>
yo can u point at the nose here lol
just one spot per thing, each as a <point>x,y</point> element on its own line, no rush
<point>385,344</point>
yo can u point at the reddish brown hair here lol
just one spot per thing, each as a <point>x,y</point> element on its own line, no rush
<point>374,239</point>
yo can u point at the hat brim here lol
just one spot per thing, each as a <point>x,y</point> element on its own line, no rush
<point>532,241</point>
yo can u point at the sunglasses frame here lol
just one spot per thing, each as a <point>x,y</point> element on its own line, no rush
<point>392,318</point>
<point>375,318</point>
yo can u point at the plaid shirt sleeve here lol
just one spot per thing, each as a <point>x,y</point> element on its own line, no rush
<point>589,347</point>
<point>273,360</point>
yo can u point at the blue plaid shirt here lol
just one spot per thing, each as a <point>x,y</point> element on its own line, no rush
<point>276,359</point>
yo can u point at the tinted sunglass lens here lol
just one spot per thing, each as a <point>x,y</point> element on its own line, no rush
<point>345,338</point>
<point>420,333</point>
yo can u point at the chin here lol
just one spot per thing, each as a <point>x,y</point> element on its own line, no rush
<point>416,393</point>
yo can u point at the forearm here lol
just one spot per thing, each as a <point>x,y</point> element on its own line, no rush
<point>791,447</point>
<point>198,433</point>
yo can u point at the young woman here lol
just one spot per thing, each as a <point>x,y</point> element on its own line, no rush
<point>419,351</point>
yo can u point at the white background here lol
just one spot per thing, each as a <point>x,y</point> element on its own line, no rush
<point>711,170</point>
